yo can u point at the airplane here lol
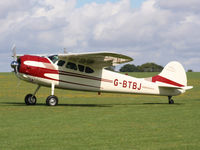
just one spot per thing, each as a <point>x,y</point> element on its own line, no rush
<point>86,72</point>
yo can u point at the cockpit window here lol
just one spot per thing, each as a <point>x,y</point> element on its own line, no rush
<point>71,66</point>
<point>53,58</point>
<point>61,63</point>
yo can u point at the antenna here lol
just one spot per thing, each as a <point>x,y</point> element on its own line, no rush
<point>65,51</point>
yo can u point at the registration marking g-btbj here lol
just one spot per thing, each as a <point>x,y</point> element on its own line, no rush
<point>128,84</point>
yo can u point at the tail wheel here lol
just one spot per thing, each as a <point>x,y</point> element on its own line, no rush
<point>30,99</point>
<point>171,101</point>
<point>52,100</point>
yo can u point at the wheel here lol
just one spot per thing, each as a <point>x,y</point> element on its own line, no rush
<point>171,101</point>
<point>52,100</point>
<point>30,99</point>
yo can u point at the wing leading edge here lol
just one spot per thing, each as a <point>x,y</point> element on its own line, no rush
<point>98,59</point>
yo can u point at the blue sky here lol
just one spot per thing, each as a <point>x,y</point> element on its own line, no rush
<point>134,3</point>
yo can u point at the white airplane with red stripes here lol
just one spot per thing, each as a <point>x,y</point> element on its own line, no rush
<point>86,72</point>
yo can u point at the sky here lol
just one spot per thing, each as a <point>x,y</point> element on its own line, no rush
<point>157,31</point>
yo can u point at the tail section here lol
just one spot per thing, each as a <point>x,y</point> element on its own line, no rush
<point>173,75</point>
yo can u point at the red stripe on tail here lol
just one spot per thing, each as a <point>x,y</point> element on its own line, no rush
<point>165,80</point>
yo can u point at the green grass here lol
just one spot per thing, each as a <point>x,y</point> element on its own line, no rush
<point>84,120</point>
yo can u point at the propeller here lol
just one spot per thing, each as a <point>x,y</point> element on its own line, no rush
<point>14,64</point>
<point>14,55</point>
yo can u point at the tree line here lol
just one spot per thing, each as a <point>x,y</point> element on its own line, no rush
<point>147,67</point>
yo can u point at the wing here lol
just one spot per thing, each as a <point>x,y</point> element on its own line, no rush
<point>99,59</point>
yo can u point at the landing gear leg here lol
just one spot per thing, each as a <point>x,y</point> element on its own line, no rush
<point>52,100</point>
<point>30,99</point>
<point>171,101</point>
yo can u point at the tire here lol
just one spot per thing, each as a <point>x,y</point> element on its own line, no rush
<point>171,101</point>
<point>51,100</point>
<point>30,99</point>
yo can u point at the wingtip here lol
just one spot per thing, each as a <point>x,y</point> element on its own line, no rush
<point>188,87</point>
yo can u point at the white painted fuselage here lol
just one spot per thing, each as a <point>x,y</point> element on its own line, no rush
<point>101,80</point>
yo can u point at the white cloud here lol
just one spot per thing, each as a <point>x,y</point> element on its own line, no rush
<point>158,31</point>
<point>194,60</point>
<point>184,6</point>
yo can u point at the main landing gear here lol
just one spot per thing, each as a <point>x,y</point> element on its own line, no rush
<point>30,99</point>
<point>51,100</point>
<point>171,101</point>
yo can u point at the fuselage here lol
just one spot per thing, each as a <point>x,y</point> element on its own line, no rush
<point>66,74</point>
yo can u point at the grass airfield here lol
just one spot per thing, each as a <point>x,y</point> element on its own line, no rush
<point>85,120</point>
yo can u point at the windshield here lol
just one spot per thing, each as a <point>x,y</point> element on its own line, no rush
<point>53,58</point>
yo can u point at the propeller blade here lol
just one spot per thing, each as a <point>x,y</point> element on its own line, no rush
<point>14,52</point>
<point>14,63</point>
<point>18,83</point>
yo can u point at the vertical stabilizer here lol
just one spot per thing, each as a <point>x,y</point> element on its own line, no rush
<point>173,74</point>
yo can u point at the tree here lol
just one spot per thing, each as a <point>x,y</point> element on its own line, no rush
<point>129,68</point>
<point>190,70</point>
<point>147,67</point>
<point>111,68</point>
<point>150,67</point>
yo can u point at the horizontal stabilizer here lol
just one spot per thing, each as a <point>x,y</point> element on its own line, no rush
<point>177,87</point>
<point>187,87</point>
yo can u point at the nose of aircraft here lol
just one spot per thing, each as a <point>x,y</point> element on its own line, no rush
<point>15,65</point>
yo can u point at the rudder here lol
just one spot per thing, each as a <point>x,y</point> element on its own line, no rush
<point>173,74</point>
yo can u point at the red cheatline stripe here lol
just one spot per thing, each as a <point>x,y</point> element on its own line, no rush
<point>53,71</point>
<point>84,76</point>
<point>45,70</point>
<point>79,84</point>
<point>69,82</point>
<point>165,80</point>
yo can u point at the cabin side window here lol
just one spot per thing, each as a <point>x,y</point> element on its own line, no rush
<point>89,70</point>
<point>71,66</point>
<point>61,63</point>
<point>78,67</point>
<point>81,68</point>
